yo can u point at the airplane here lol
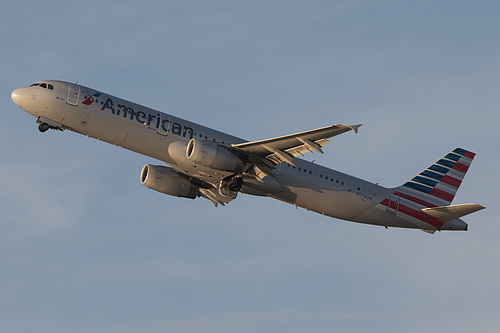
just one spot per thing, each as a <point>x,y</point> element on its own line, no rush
<point>202,162</point>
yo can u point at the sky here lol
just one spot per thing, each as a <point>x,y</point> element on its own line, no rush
<point>84,247</point>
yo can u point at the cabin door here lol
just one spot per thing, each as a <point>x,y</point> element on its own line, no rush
<point>73,94</point>
<point>393,203</point>
<point>162,124</point>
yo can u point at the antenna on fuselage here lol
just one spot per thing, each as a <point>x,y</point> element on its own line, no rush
<point>76,82</point>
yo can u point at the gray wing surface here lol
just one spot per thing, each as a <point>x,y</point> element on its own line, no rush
<point>284,148</point>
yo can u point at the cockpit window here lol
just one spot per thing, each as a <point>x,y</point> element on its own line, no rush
<point>43,85</point>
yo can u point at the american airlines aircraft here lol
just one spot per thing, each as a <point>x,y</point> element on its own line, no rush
<point>203,162</point>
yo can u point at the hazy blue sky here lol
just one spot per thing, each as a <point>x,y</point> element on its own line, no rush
<point>84,247</point>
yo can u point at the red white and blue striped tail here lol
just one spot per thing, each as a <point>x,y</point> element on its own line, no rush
<point>437,185</point>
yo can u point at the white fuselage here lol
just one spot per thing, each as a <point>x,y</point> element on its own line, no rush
<point>150,132</point>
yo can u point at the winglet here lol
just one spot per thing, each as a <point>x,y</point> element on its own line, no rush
<point>355,127</point>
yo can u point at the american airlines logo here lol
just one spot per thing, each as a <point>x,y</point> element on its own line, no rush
<point>91,99</point>
<point>159,121</point>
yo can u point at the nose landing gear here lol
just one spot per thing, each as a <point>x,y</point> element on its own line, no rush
<point>45,124</point>
<point>43,127</point>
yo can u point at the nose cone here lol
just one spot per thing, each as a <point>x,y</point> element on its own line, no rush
<point>18,96</point>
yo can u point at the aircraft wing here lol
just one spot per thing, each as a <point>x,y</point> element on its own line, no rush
<point>284,148</point>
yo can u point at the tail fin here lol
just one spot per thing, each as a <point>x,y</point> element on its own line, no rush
<point>425,200</point>
<point>437,185</point>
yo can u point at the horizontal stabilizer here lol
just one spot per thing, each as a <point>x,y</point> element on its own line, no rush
<point>449,213</point>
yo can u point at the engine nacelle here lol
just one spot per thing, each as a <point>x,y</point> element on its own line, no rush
<point>165,180</point>
<point>177,150</point>
<point>211,155</point>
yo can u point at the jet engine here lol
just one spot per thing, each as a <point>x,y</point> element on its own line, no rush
<point>167,181</point>
<point>211,155</point>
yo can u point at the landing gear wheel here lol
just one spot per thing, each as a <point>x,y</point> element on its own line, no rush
<point>230,186</point>
<point>43,127</point>
<point>235,184</point>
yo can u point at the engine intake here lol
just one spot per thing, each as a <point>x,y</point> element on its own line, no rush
<point>167,181</point>
<point>211,155</point>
